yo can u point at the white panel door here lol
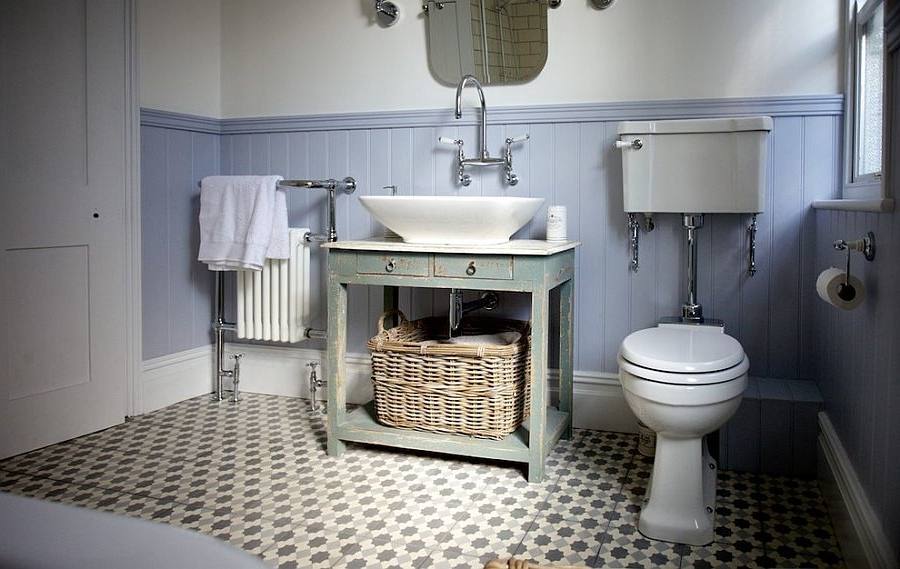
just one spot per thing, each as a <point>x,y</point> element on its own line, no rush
<point>63,112</point>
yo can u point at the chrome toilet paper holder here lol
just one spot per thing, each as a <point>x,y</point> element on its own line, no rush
<point>847,291</point>
<point>866,246</point>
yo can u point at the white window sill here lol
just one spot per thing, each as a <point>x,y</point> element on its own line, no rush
<point>878,205</point>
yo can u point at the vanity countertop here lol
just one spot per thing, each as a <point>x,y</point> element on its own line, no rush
<point>532,247</point>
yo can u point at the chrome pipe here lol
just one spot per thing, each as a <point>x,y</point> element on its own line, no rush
<point>692,311</point>
<point>315,384</point>
<point>634,241</point>
<point>220,339</point>
<point>751,233</point>
<point>236,378</point>
<point>315,334</point>
<point>345,186</point>
<point>487,301</point>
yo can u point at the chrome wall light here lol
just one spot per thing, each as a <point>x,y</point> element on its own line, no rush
<point>386,13</point>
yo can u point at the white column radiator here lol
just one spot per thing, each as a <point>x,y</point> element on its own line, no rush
<point>273,304</point>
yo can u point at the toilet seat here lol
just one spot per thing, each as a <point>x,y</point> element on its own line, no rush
<point>685,379</point>
<point>683,355</point>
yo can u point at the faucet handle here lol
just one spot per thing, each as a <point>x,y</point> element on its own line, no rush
<point>392,188</point>
<point>451,141</point>
<point>515,139</point>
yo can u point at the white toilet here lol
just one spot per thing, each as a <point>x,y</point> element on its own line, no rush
<point>685,377</point>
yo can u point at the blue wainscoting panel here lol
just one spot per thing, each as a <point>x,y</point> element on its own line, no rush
<point>177,302</point>
<point>569,160</point>
<point>155,243</point>
<point>856,357</point>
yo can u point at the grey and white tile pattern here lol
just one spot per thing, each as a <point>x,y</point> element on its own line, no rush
<point>257,476</point>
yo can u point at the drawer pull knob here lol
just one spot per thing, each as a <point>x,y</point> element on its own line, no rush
<point>470,270</point>
<point>390,266</point>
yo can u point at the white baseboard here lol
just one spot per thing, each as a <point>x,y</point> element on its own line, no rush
<point>169,379</point>
<point>599,402</point>
<point>859,531</point>
<point>279,370</point>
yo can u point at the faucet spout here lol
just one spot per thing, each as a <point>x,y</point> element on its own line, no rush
<point>459,88</point>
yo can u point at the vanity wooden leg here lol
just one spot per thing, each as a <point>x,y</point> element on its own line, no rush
<point>538,419</point>
<point>336,362</point>
<point>566,340</point>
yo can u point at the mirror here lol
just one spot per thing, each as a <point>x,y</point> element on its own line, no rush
<point>498,41</point>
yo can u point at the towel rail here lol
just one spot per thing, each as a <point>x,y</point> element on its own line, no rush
<point>220,326</point>
<point>347,185</point>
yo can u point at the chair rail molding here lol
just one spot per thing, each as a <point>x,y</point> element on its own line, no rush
<point>803,105</point>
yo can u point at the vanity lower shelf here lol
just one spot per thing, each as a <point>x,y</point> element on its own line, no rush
<point>361,426</point>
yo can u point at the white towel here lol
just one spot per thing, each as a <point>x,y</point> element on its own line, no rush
<point>243,221</point>
<point>500,339</point>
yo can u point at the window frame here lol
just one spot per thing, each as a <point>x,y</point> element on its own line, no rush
<point>868,186</point>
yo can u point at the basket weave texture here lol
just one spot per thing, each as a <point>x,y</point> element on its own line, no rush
<point>476,390</point>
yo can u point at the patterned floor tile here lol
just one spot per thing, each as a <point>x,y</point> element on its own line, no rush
<point>250,533</point>
<point>257,475</point>
<point>427,523</point>
<point>624,546</point>
<point>516,493</point>
<point>738,526</point>
<point>297,548</point>
<point>721,555</point>
<point>451,558</point>
<point>797,529</point>
<point>98,499</point>
<point>562,541</point>
<point>487,532</point>
<point>108,469</point>
<point>386,554</point>
<point>811,544</point>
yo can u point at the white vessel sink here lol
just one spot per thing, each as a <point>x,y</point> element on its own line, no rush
<point>452,220</point>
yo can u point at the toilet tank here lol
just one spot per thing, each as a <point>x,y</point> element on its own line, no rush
<point>695,166</point>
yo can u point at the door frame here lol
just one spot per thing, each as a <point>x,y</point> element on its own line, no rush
<point>132,262</point>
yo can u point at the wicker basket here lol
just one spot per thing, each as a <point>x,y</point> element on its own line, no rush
<point>480,391</point>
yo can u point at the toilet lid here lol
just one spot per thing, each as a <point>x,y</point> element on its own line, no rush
<point>683,349</point>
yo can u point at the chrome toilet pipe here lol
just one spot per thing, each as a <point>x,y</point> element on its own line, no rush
<point>691,310</point>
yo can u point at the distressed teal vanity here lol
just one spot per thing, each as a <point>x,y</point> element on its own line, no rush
<point>535,267</point>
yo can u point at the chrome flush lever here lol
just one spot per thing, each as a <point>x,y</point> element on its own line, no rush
<point>635,144</point>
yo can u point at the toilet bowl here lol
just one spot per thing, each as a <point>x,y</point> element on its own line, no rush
<point>683,381</point>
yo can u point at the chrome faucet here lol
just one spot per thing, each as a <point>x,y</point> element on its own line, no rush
<point>484,157</point>
<point>459,89</point>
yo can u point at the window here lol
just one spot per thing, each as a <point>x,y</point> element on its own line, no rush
<point>864,100</point>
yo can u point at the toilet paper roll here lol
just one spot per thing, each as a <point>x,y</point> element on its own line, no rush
<point>830,283</point>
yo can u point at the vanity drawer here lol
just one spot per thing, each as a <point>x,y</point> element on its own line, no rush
<point>474,266</point>
<point>405,264</point>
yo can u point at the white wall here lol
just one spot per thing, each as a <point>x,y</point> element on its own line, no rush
<point>180,55</point>
<point>288,57</point>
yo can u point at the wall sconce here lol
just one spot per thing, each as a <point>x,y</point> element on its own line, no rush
<point>386,13</point>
